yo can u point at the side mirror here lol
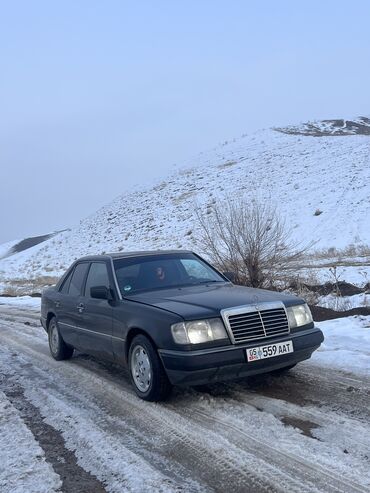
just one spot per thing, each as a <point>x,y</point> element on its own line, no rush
<point>101,293</point>
<point>231,276</point>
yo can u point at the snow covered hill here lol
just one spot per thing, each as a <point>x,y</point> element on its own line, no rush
<point>358,126</point>
<point>13,247</point>
<point>317,174</point>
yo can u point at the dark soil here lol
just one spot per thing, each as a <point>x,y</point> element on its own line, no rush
<point>342,287</point>
<point>320,313</point>
<point>304,425</point>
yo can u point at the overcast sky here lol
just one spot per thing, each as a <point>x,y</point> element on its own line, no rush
<point>96,96</point>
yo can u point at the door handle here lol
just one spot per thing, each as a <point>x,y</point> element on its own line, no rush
<point>57,304</point>
<point>80,307</point>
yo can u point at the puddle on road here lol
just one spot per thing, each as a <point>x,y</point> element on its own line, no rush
<point>31,324</point>
<point>305,426</point>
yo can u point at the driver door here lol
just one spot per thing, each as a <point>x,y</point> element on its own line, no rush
<point>97,315</point>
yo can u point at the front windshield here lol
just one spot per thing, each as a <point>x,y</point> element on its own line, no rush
<point>151,272</point>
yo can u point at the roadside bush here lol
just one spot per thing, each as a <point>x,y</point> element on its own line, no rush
<point>248,238</point>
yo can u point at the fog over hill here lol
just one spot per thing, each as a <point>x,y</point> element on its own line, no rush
<point>317,174</point>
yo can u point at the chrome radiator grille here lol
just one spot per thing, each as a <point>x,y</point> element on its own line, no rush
<point>256,322</point>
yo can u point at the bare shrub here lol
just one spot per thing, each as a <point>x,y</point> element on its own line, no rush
<point>335,277</point>
<point>311,297</point>
<point>248,238</point>
<point>301,286</point>
<point>342,304</point>
<point>361,250</point>
<point>10,291</point>
<point>366,301</point>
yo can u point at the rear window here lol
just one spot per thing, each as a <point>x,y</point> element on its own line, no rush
<point>77,280</point>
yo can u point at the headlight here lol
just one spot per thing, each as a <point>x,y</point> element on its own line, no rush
<point>298,315</point>
<point>198,331</point>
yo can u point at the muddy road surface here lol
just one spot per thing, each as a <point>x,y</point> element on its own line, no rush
<point>306,431</point>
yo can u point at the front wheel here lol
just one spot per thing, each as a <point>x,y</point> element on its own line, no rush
<point>146,370</point>
<point>58,348</point>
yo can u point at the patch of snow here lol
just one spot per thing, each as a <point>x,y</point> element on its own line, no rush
<point>359,275</point>
<point>342,303</point>
<point>22,302</point>
<point>5,247</point>
<point>346,345</point>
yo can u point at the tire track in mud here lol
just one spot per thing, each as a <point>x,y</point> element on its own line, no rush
<point>74,413</point>
<point>166,441</point>
<point>286,481</point>
<point>311,474</point>
<point>311,386</point>
<point>64,462</point>
<point>307,418</point>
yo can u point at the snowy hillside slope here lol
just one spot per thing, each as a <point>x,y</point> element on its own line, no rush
<point>319,183</point>
<point>5,248</point>
<point>13,247</point>
<point>357,126</point>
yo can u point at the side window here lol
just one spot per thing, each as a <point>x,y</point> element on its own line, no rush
<point>66,282</point>
<point>97,276</point>
<point>127,277</point>
<point>77,279</point>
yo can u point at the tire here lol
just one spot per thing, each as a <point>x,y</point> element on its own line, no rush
<point>147,374</point>
<point>281,371</point>
<point>58,348</point>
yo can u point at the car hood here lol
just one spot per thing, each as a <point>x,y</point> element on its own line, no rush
<point>204,301</point>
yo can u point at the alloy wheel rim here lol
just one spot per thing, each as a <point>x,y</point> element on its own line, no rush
<point>54,339</point>
<point>141,369</point>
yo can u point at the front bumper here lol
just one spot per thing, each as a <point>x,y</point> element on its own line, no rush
<point>230,362</point>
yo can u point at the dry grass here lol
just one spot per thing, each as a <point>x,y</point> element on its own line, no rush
<point>22,287</point>
<point>352,250</point>
<point>182,197</point>
<point>226,165</point>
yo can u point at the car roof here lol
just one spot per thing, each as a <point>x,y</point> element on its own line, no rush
<point>118,255</point>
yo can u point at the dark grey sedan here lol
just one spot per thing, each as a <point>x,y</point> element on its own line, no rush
<point>172,318</point>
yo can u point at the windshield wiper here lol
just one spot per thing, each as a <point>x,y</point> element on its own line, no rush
<point>209,282</point>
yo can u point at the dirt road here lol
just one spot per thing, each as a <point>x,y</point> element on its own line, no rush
<point>308,431</point>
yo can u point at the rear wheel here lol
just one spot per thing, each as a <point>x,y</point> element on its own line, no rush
<point>146,370</point>
<point>58,348</point>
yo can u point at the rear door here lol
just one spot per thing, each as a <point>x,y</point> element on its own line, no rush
<point>69,311</point>
<point>97,321</point>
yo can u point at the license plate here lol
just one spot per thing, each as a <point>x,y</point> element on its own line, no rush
<point>269,351</point>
